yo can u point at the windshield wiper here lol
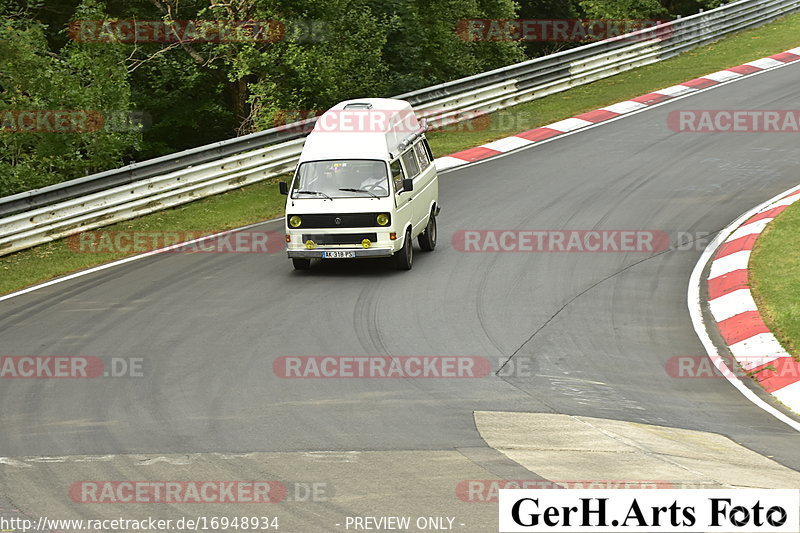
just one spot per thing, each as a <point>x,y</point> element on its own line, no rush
<point>361,190</point>
<point>316,192</point>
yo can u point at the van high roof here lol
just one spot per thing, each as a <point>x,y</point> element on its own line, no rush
<point>365,128</point>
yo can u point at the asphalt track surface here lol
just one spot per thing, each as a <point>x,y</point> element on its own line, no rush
<point>595,330</point>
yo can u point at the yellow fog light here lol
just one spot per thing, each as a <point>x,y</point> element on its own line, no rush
<point>366,243</point>
<point>310,244</point>
<point>295,221</point>
<point>383,219</point>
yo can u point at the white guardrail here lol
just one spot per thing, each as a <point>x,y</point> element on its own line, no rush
<point>54,212</point>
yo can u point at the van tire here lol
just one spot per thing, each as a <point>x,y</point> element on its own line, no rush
<point>427,239</point>
<point>300,263</point>
<point>404,258</point>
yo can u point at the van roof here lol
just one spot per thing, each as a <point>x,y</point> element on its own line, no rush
<point>364,128</point>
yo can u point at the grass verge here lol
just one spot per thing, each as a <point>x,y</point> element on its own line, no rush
<point>261,201</point>
<point>775,277</point>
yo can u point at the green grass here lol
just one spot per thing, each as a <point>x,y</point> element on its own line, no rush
<point>775,277</point>
<point>261,201</point>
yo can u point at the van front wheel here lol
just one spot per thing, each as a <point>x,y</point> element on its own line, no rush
<point>404,258</point>
<point>427,239</point>
<point>300,263</point>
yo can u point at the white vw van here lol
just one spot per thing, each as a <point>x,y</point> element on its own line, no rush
<point>365,186</point>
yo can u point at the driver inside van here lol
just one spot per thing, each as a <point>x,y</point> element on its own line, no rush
<point>374,177</point>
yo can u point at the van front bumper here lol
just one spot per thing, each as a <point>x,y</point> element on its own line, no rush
<point>358,252</point>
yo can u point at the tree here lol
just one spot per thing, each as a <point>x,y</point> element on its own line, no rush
<point>623,9</point>
<point>85,84</point>
<point>424,47</point>
<point>548,9</point>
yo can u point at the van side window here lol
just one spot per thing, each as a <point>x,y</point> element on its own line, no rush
<point>427,148</point>
<point>422,155</point>
<point>410,162</point>
<point>397,175</point>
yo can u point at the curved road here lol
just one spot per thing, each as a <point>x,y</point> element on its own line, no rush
<point>595,329</point>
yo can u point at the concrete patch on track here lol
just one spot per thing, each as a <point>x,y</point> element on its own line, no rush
<point>573,448</point>
<point>322,488</point>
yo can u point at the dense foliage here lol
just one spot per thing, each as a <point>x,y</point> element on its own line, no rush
<point>155,98</point>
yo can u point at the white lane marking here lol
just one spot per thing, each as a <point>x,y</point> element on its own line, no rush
<point>625,107</point>
<point>757,350</point>
<point>722,75</point>
<point>507,143</point>
<point>676,90</point>
<point>177,460</point>
<point>789,395</point>
<point>568,124</point>
<point>443,163</point>
<point>729,263</point>
<point>695,305</point>
<point>765,63</point>
<point>129,259</point>
<point>749,229</point>
<point>732,304</point>
<point>787,201</point>
<point>13,462</point>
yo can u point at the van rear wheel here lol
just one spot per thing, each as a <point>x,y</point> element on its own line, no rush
<point>300,263</point>
<point>404,258</point>
<point>427,239</point>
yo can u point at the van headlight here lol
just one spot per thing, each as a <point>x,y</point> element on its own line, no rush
<point>382,219</point>
<point>295,221</point>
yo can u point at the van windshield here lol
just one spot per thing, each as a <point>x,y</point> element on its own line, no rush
<point>359,178</point>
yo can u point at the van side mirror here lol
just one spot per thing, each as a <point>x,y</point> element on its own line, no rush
<point>408,185</point>
<point>284,187</point>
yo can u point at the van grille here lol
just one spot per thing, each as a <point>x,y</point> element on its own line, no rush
<point>340,238</point>
<point>346,220</point>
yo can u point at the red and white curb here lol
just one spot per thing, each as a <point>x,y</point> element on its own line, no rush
<point>731,304</point>
<point>537,135</point>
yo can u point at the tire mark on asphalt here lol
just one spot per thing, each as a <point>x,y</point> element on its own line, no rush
<point>586,290</point>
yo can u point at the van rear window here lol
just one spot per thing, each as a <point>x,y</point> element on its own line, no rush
<point>422,155</point>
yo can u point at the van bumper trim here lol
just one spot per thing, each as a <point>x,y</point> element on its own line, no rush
<point>360,252</point>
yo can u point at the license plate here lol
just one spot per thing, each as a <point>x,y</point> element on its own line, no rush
<point>338,254</point>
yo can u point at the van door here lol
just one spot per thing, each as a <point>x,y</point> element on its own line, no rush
<point>402,200</point>
<point>411,166</point>
<point>428,188</point>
